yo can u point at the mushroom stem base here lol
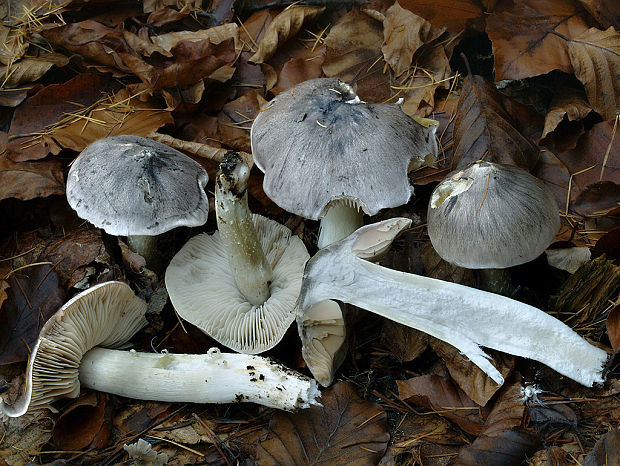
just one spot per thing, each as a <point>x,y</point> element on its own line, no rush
<point>197,378</point>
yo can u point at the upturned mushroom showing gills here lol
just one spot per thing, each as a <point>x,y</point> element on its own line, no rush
<point>464,317</point>
<point>70,354</point>
<point>491,216</point>
<point>139,188</point>
<point>327,155</point>
<point>239,285</point>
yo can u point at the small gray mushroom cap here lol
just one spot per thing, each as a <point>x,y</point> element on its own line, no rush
<point>491,215</point>
<point>318,143</point>
<point>105,315</point>
<point>129,185</point>
<point>203,290</point>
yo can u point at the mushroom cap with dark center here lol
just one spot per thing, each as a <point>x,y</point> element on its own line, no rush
<point>129,185</point>
<point>491,215</point>
<point>318,143</point>
<point>203,290</point>
<point>106,315</point>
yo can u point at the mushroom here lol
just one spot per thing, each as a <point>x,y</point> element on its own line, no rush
<point>139,188</point>
<point>461,316</point>
<point>239,285</point>
<point>69,354</point>
<point>327,155</point>
<point>491,216</point>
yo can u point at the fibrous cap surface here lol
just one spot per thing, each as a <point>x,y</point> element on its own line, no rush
<point>129,185</point>
<point>317,143</point>
<point>491,215</point>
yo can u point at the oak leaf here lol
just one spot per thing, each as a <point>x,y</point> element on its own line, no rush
<point>595,56</point>
<point>403,34</point>
<point>345,430</point>
<point>284,26</point>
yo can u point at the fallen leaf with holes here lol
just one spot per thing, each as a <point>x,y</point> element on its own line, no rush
<point>403,34</point>
<point>29,180</point>
<point>284,26</point>
<point>34,295</point>
<point>30,69</point>
<point>483,129</point>
<point>82,424</point>
<point>345,430</point>
<point>444,397</point>
<point>523,39</point>
<point>595,56</point>
<point>475,383</point>
<point>606,451</point>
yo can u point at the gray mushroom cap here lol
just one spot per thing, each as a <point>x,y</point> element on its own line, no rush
<point>129,185</point>
<point>491,215</point>
<point>318,142</point>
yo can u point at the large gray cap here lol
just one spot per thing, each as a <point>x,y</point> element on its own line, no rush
<point>491,215</point>
<point>317,142</point>
<point>129,185</point>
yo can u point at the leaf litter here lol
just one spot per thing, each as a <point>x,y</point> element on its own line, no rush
<point>195,79</point>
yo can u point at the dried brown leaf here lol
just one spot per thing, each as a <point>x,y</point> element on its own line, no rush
<point>28,70</point>
<point>483,129</point>
<point>354,56</point>
<point>14,44</point>
<point>403,342</point>
<point>404,33</point>
<point>82,423</point>
<point>297,70</point>
<point>523,41</point>
<point>216,35</point>
<point>284,26</point>
<point>444,397</point>
<point>606,12</point>
<point>510,447</point>
<point>473,381</point>
<point>34,295</point>
<point>345,430</point>
<point>29,180</point>
<point>595,56</point>
<point>20,441</point>
<point>606,451</point>
<point>569,103</point>
<point>455,15</point>
<point>436,267</point>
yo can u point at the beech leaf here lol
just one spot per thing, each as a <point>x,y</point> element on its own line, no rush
<point>29,180</point>
<point>595,56</point>
<point>284,26</point>
<point>28,70</point>
<point>483,129</point>
<point>404,33</point>
<point>523,41</point>
<point>345,430</point>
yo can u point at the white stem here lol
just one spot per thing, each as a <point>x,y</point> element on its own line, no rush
<point>246,258</point>
<point>463,317</point>
<point>197,378</point>
<point>341,219</point>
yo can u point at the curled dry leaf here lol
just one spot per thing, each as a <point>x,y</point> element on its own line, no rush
<point>29,69</point>
<point>82,424</point>
<point>403,34</point>
<point>354,55</point>
<point>475,383</point>
<point>29,180</point>
<point>284,26</point>
<point>606,451</point>
<point>345,430</point>
<point>444,397</point>
<point>569,103</point>
<point>595,56</point>
<point>216,35</point>
<point>34,295</point>
<point>523,41</point>
<point>483,129</point>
